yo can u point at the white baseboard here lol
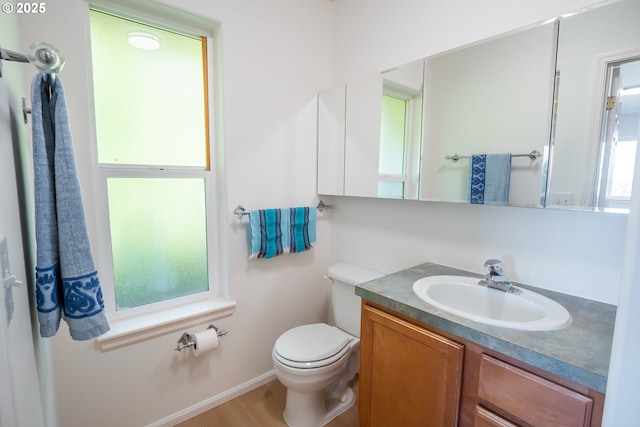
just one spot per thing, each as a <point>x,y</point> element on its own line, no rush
<point>212,402</point>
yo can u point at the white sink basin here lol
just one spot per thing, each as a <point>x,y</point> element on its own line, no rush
<point>462,296</point>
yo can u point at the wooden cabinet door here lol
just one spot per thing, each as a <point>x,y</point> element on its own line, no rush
<point>409,376</point>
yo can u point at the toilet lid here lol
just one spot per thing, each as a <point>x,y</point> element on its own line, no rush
<point>309,343</point>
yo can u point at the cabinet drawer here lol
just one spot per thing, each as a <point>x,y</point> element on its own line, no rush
<point>532,399</point>
<point>486,418</point>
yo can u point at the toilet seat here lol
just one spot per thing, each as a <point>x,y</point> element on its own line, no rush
<point>311,346</point>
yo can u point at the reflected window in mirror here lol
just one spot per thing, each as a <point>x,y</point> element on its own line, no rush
<point>620,128</point>
<point>400,132</point>
<point>393,131</point>
<point>593,157</point>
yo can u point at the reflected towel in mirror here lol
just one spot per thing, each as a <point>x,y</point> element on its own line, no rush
<point>489,176</point>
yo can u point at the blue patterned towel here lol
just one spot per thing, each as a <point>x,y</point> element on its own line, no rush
<point>67,284</point>
<point>489,176</point>
<point>274,232</point>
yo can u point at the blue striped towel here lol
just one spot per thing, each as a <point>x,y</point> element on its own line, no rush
<point>489,176</point>
<point>278,231</point>
<point>67,284</point>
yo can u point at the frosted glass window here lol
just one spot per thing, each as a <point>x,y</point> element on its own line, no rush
<point>152,139</point>
<point>159,253</point>
<point>149,103</point>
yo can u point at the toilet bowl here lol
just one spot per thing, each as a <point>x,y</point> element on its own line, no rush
<point>315,362</point>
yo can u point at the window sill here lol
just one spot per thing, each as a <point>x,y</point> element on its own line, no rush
<point>144,327</point>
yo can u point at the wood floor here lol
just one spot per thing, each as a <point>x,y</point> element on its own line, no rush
<point>262,407</point>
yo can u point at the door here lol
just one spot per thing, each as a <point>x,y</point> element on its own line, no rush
<point>20,399</point>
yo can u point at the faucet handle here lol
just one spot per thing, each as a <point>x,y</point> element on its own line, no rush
<point>495,267</point>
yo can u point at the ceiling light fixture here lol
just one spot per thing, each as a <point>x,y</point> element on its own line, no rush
<point>143,40</point>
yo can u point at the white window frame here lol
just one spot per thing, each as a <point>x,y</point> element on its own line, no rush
<point>145,322</point>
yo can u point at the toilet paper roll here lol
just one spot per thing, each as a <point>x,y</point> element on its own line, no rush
<point>205,341</point>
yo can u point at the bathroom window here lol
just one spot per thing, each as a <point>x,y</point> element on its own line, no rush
<point>154,175</point>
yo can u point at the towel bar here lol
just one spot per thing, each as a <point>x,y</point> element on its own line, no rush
<point>240,211</point>
<point>532,155</point>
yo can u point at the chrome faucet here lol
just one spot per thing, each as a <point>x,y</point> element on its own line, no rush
<point>495,279</point>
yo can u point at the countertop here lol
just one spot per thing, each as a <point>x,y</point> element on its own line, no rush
<point>579,352</point>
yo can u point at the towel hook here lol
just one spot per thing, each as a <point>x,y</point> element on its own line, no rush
<point>25,110</point>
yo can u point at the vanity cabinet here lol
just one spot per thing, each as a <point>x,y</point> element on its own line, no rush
<point>413,374</point>
<point>409,376</point>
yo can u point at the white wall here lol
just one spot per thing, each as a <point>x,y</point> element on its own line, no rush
<point>621,405</point>
<point>578,253</point>
<point>276,58</point>
<point>375,35</point>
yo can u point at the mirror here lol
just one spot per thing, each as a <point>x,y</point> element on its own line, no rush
<point>493,97</point>
<point>396,147</point>
<point>598,109</point>
<point>506,95</point>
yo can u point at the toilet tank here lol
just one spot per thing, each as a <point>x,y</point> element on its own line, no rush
<point>345,304</point>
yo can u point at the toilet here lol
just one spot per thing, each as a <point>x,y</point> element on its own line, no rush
<point>315,362</point>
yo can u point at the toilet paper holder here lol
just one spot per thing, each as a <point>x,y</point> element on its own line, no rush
<point>186,340</point>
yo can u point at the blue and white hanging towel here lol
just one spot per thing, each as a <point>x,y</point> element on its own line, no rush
<point>67,284</point>
<point>489,176</point>
<point>278,231</point>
